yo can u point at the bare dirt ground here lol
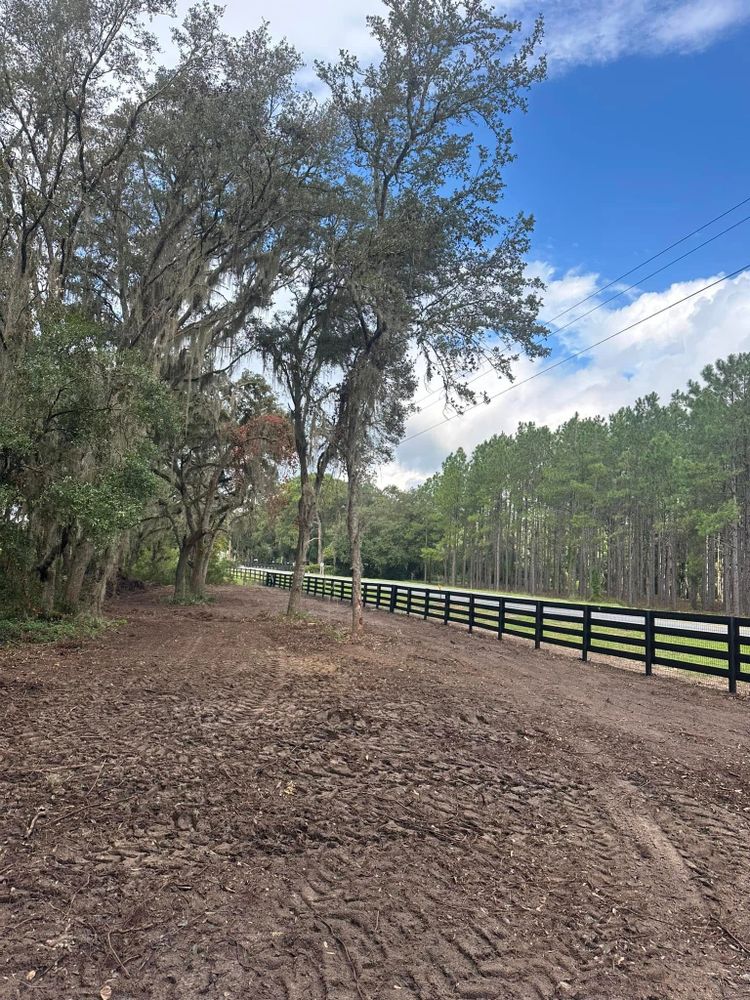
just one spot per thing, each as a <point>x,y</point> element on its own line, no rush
<point>211,802</point>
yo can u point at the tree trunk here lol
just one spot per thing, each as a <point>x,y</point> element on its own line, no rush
<point>734,569</point>
<point>199,568</point>
<point>496,583</point>
<point>304,520</point>
<point>79,563</point>
<point>105,567</point>
<point>49,589</point>
<point>711,575</point>
<point>355,546</point>
<point>183,566</point>
<point>320,537</point>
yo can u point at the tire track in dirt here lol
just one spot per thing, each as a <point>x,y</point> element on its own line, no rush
<point>480,957</point>
<point>670,874</point>
<point>286,817</point>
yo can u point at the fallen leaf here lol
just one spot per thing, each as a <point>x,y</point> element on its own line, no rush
<point>105,992</point>
<point>30,975</point>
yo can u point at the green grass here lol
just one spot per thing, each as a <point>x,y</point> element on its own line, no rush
<point>521,595</point>
<point>16,629</point>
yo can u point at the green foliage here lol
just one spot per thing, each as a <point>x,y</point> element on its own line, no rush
<point>219,570</point>
<point>47,629</point>
<point>157,564</point>
<point>77,440</point>
<point>105,506</point>
<point>650,507</point>
<point>154,215</point>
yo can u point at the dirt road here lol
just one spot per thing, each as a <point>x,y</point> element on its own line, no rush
<point>211,802</point>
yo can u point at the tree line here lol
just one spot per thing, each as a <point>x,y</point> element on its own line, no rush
<point>212,279</point>
<point>650,506</point>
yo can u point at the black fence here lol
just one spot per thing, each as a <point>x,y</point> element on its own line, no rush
<point>718,645</point>
<point>256,564</point>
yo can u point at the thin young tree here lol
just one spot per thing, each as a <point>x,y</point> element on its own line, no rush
<point>440,273</point>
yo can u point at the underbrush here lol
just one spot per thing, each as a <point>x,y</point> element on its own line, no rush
<point>190,599</point>
<point>51,628</point>
<point>337,633</point>
<point>159,566</point>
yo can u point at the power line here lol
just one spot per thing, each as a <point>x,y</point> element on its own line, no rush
<point>584,350</point>
<point>623,291</point>
<point>653,274</point>
<point>661,253</point>
<point>626,274</point>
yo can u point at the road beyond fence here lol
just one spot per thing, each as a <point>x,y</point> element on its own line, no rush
<point>717,645</point>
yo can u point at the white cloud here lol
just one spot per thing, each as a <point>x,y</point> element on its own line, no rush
<point>658,356</point>
<point>317,31</point>
<point>577,31</point>
<point>599,31</point>
<point>691,26</point>
<point>562,292</point>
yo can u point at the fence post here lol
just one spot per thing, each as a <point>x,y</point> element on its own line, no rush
<point>471,612</point>
<point>649,638</point>
<point>500,619</point>
<point>538,626</point>
<point>733,637</point>
<point>392,607</point>
<point>586,641</point>
<point>408,600</point>
<point>447,607</point>
<point>426,602</point>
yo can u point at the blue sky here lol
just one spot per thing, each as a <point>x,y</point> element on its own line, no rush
<point>617,160</point>
<point>640,134</point>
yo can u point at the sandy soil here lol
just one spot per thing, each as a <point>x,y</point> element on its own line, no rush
<point>211,802</point>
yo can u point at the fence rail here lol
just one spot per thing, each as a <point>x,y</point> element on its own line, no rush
<point>718,645</point>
